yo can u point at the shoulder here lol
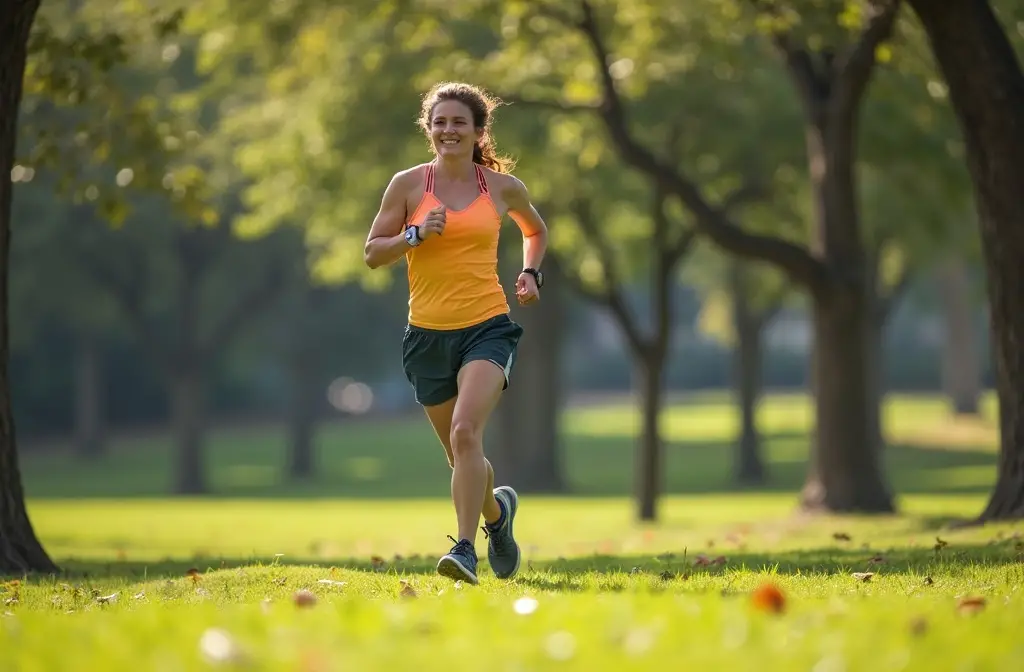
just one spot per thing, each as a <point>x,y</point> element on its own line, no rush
<point>508,186</point>
<point>409,177</point>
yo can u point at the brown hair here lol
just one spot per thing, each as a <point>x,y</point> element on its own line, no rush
<point>481,105</point>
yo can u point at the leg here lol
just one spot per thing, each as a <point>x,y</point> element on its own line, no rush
<point>480,386</point>
<point>440,416</point>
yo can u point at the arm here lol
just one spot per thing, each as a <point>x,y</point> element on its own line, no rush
<point>522,212</point>
<point>385,244</point>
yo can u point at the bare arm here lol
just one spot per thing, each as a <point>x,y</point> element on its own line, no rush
<point>385,244</point>
<point>522,212</point>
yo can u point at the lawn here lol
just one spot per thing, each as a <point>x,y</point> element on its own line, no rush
<point>338,574</point>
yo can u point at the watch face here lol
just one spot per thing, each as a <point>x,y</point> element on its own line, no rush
<point>410,236</point>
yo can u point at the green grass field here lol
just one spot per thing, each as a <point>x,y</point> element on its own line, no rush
<point>158,583</point>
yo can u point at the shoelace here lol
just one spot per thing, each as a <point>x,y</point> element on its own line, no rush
<point>461,547</point>
<point>499,540</point>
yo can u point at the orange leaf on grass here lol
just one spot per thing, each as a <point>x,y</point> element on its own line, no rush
<point>768,597</point>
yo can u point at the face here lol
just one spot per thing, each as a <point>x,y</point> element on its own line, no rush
<point>451,129</point>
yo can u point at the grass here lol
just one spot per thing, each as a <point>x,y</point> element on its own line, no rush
<point>157,583</point>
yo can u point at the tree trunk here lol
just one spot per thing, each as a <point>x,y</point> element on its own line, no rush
<point>89,435</point>
<point>986,88</point>
<point>874,370</point>
<point>189,424</point>
<point>844,474</point>
<point>748,465</point>
<point>302,418</point>
<point>961,372</point>
<point>303,357</point>
<point>648,371</point>
<point>528,454</point>
<point>20,550</point>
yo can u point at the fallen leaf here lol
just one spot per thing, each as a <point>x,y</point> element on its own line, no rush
<point>720,560</point>
<point>928,581</point>
<point>407,589</point>
<point>841,536</point>
<point>768,597</point>
<point>304,598</point>
<point>877,560</point>
<point>104,599</point>
<point>281,580</point>
<point>970,605</point>
<point>701,561</point>
<point>863,576</point>
<point>667,575</point>
<point>139,596</point>
<point>193,573</point>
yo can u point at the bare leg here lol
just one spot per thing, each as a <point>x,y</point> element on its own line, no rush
<point>440,417</point>
<point>480,385</point>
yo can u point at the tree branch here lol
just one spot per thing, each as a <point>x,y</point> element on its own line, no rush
<point>793,259</point>
<point>128,294</point>
<point>611,298</point>
<point>246,308</point>
<point>854,68</point>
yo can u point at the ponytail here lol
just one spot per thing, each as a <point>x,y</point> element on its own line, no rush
<point>485,155</point>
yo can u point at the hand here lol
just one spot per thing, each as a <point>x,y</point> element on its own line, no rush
<point>526,289</point>
<point>433,223</point>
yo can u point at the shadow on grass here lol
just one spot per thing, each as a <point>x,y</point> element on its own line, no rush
<point>414,467</point>
<point>589,572</point>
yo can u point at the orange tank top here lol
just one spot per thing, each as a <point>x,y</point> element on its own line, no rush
<point>453,278</point>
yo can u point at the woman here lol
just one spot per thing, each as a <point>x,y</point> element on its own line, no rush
<point>460,345</point>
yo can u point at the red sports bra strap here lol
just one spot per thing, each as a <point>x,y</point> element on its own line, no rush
<point>428,184</point>
<point>480,179</point>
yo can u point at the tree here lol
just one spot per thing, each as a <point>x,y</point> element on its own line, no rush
<point>20,550</point>
<point>986,90</point>
<point>740,301</point>
<point>845,471</point>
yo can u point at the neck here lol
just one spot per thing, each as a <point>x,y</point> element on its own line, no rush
<point>455,168</point>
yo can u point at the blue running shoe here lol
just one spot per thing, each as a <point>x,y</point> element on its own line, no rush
<point>460,562</point>
<point>502,549</point>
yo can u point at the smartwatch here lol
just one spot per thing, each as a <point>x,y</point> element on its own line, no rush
<point>412,235</point>
<point>537,275</point>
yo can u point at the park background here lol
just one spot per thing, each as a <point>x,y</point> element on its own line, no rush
<point>765,292</point>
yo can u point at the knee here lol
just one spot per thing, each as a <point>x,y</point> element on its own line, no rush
<point>466,438</point>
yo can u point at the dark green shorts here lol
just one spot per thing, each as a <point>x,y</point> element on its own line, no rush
<point>432,358</point>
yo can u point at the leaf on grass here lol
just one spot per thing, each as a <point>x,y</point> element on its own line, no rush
<point>970,605</point>
<point>768,597</point>
<point>877,560</point>
<point>841,536</point>
<point>141,595</point>
<point>304,598</point>
<point>701,561</point>
<point>105,599</point>
<point>281,580</point>
<point>193,573</point>
<point>928,581</point>
<point>407,589</point>
<point>863,576</point>
<point>720,560</point>
<point>667,575</point>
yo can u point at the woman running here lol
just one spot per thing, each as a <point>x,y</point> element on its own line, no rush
<point>460,345</point>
